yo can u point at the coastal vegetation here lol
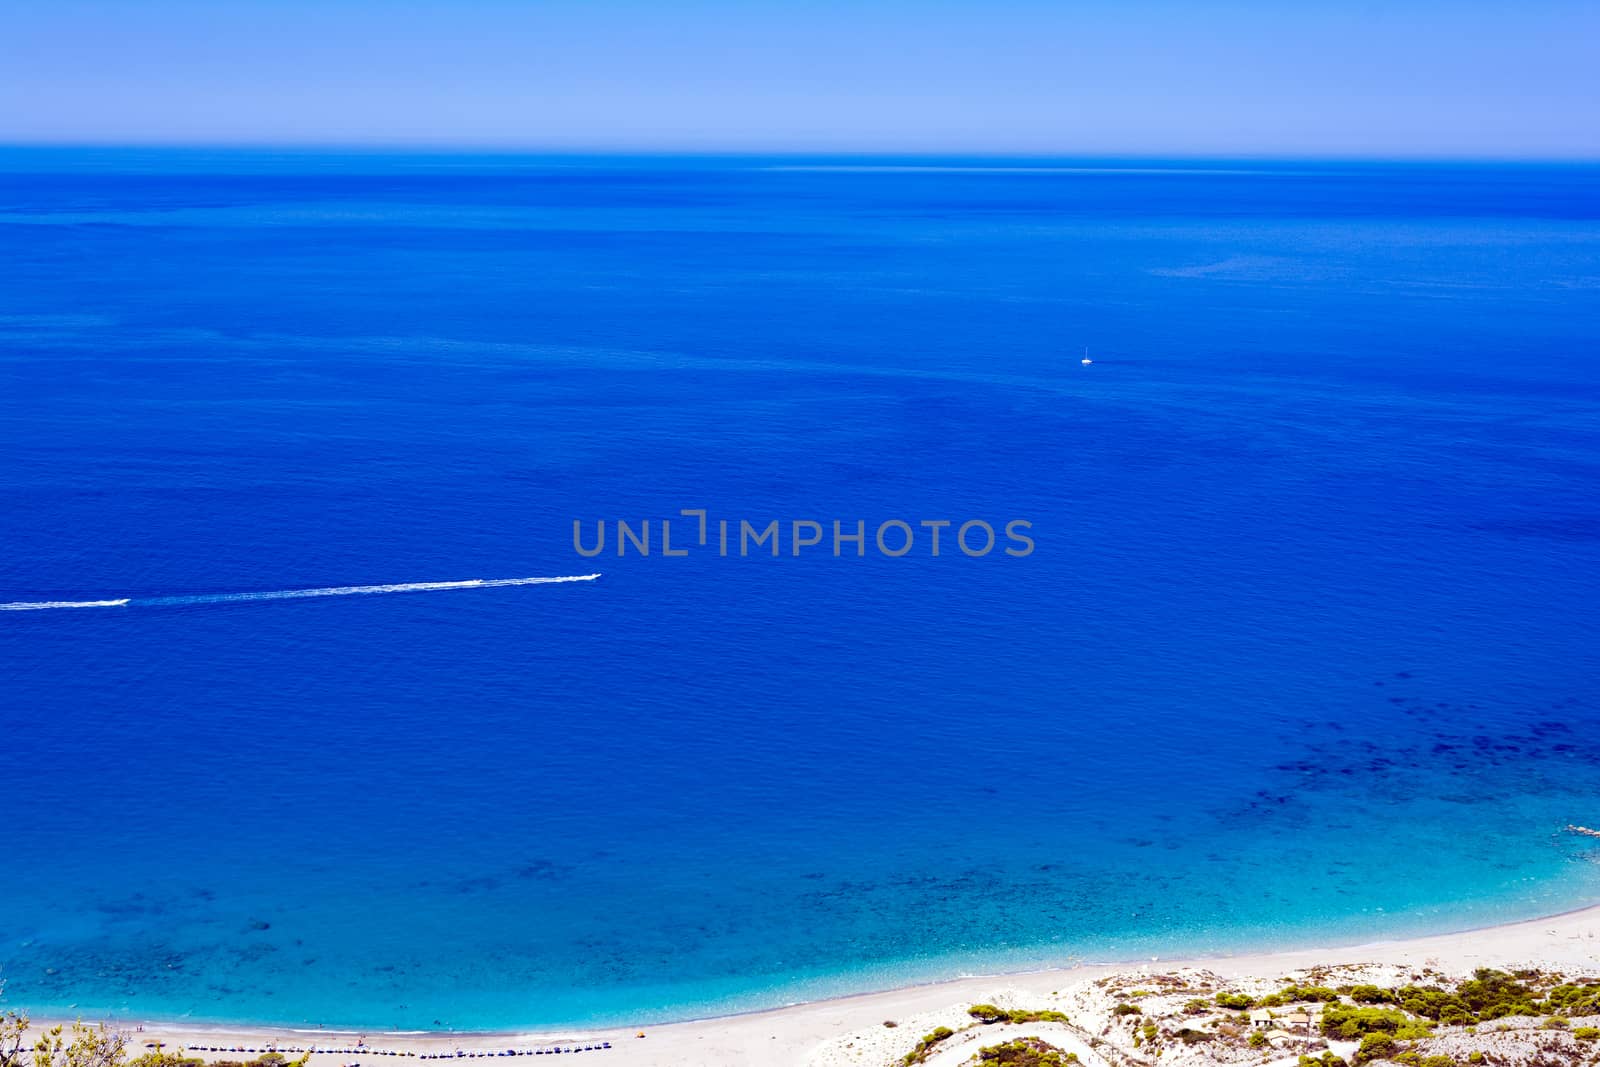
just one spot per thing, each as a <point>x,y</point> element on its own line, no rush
<point>1299,994</point>
<point>928,1043</point>
<point>1349,1016</point>
<point>1346,1016</point>
<point>84,1045</point>
<point>13,1034</point>
<point>1327,1059</point>
<point>1354,1024</point>
<point>80,1045</point>
<point>1025,1052</point>
<point>988,1013</point>
<point>1488,994</point>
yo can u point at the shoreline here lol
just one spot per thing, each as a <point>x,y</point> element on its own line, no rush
<point>1568,940</point>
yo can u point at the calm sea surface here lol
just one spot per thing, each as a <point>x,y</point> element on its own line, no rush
<point>1307,649</point>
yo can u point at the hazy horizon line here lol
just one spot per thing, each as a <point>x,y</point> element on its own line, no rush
<point>515,149</point>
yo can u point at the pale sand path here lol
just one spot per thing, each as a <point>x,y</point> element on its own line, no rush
<point>849,1031</point>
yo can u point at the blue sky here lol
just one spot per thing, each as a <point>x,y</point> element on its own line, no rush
<point>1297,77</point>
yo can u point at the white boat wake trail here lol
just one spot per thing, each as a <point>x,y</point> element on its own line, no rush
<point>291,594</point>
<point>43,605</point>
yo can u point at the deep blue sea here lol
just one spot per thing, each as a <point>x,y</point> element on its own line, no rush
<point>1306,651</point>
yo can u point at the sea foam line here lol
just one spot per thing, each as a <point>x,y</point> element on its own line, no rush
<point>292,594</point>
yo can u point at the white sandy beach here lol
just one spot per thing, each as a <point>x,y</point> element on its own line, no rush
<point>849,1031</point>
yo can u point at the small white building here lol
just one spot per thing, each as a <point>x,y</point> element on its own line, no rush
<point>1261,1019</point>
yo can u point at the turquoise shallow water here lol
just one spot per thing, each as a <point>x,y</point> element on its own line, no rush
<point>1305,651</point>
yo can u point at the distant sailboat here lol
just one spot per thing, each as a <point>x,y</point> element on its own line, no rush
<point>1085,361</point>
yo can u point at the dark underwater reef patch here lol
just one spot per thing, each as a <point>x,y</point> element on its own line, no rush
<point>1555,528</point>
<point>530,870</point>
<point>1447,750</point>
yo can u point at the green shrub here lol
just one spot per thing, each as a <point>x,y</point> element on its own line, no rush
<point>1327,1059</point>
<point>1257,1039</point>
<point>925,1046</point>
<point>1573,999</point>
<point>169,1059</point>
<point>1237,1001</point>
<point>1587,1033</point>
<point>1377,1046</point>
<point>1297,994</point>
<point>1431,1002</point>
<point>1126,1009</point>
<point>988,1013</point>
<point>1025,1052</point>
<point>1494,994</point>
<point>1371,994</point>
<point>1349,1023</point>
